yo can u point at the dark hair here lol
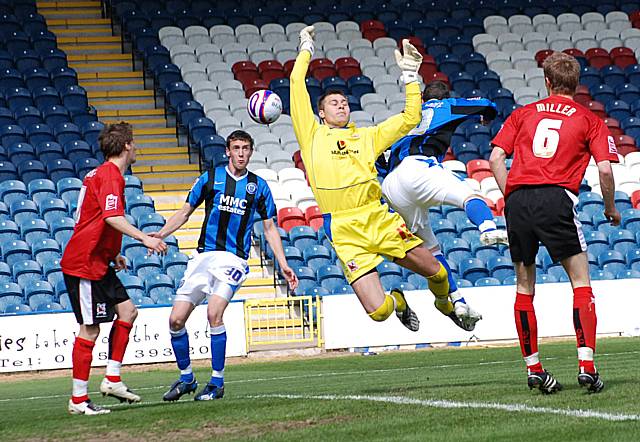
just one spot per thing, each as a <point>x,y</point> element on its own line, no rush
<point>239,135</point>
<point>435,90</point>
<point>326,93</point>
<point>563,72</point>
<point>113,138</point>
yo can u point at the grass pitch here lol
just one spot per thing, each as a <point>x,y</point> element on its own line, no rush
<point>438,395</point>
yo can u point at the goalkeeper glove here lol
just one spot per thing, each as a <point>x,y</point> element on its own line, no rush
<point>306,39</point>
<point>409,61</point>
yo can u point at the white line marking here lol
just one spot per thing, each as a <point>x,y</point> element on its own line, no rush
<point>431,403</point>
<point>333,373</point>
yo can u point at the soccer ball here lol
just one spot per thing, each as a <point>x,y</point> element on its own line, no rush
<point>264,106</point>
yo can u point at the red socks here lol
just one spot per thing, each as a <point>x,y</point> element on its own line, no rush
<point>118,340</point>
<point>584,323</point>
<point>527,327</point>
<point>81,358</point>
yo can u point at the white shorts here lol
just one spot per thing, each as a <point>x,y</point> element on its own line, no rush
<point>212,273</point>
<point>419,183</point>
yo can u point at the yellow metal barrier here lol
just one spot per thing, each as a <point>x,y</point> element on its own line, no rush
<point>289,320</point>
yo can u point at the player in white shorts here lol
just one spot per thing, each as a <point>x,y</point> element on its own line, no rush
<point>234,199</point>
<point>418,180</point>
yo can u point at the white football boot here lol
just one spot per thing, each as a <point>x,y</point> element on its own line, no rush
<point>87,407</point>
<point>493,237</point>
<point>467,316</point>
<point>118,390</point>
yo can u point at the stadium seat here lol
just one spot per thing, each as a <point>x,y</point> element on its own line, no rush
<point>472,269</point>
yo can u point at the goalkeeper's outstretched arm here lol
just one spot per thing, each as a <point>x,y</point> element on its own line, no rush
<point>302,118</point>
<point>397,126</point>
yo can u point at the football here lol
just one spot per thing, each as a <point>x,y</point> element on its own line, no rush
<point>264,106</point>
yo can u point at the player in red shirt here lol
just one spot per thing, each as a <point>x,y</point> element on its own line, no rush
<point>95,292</point>
<point>552,141</point>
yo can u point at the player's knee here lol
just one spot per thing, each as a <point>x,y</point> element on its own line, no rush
<point>384,311</point>
<point>176,323</point>
<point>128,313</point>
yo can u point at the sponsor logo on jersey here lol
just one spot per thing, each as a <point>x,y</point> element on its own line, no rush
<point>433,104</point>
<point>232,204</point>
<point>612,145</point>
<point>251,188</point>
<point>344,149</point>
<point>101,310</point>
<point>111,202</point>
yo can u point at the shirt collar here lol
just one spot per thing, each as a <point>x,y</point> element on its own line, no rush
<point>237,178</point>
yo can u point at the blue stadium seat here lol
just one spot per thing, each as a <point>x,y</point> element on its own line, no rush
<point>62,77</point>
<point>23,210</point>
<point>51,209</point>
<point>602,93</point>
<point>46,96</point>
<point>39,133</point>
<point>358,85</point>
<point>334,83</point>
<point>617,109</point>
<point>390,281</point>
<point>74,97</point>
<point>53,59</point>
<point>305,274</point>
<point>328,273</point>
<point>52,271</point>
<point>628,274</point>
<point>31,170</point>
<point>130,282</point>
<point>12,134</point>
<point>9,231</point>
<point>474,63</point>
<point>598,275</point>
<point>462,83</point>
<point>68,184</point>
<point>132,181</point>
<point>543,278</point>
<point>34,229</point>
<point>443,229</point>
<point>55,115</point>
<point>84,165</point>
<point>293,256</point>
<point>486,282</point>
<point>25,271</point>
<point>12,190</point>
<point>558,273</point>
<point>147,265</point>
<point>49,151</point>
<point>342,289</point>
<point>45,250</point>
<point>316,256</point>
<point>36,288</point>
<point>631,219</point>
<point>627,92</point>
<point>590,76</point>
<point>59,169</point>
<point>176,93</point>
<point>472,269</point>
<point>500,267</point>
<point>19,152</point>
<point>66,132</point>
<point>622,240</point>
<point>18,98</point>
<point>596,242</point>
<point>463,283</point>
<point>157,281</point>
<point>139,205</point>
<point>487,80</point>
<point>5,273</point>
<point>612,261</point>
<point>303,237</point>
<point>387,268</point>
<point>466,151</point>
<point>16,309</point>
<point>613,76</point>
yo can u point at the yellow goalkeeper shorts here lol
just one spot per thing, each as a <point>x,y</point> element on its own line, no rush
<point>362,236</point>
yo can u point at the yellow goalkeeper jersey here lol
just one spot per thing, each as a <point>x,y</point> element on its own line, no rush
<point>340,163</point>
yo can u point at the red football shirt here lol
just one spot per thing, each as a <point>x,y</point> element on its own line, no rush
<point>552,141</point>
<point>94,243</point>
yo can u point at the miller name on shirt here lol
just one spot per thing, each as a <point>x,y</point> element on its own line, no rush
<point>563,109</point>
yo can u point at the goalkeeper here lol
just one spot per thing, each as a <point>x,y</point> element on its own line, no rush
<point>340,163</point>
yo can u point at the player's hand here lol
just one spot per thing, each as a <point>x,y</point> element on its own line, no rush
<point>306,39</point>
<point>613,216</point>
<point>409,61</point>
<point>155,235</point>
<point>290,276</point>
<point>154,244</point>
<point>120,263</point>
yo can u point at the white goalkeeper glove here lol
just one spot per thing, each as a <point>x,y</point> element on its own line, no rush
<point>409,61</point>
<point>306,39</point>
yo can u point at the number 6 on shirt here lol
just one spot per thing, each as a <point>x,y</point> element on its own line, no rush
<point>546,138</point>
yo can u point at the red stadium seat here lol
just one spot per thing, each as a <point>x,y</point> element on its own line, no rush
<point>440,76</point>
<point>322,68</point>
<point>245,71</point>
<point>614,126</point>
<point>348,67</point>
<point>270,70</point>
<point>635,15</point>
<point>288,67</point>
<point>313,215</point>
<point>290,217</point>
<point>635,199</point>
<point>625,144</point>
<point>478,169</point>
<point>491,205</point>
<point>449,155</point>
<point>253,86</point>
<point>623,57</point>
<point>427,69</point>
<point>372,29</point>
<point>542,55</point>
<point>574,52</point>
<point>598,57</point>
<point>597,108</point>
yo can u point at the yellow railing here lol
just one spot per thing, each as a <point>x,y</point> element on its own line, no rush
<point>283,321</point>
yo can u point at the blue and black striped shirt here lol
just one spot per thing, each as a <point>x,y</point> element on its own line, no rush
<point>232,205</point>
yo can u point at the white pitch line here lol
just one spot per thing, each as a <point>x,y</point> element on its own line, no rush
<point>324,374</point>
<point>511,408</point>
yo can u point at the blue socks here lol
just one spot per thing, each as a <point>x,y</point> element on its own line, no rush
<point>480,214</point>
<point>452,283</point>
<point>218,349</point>
<point>180,344</point>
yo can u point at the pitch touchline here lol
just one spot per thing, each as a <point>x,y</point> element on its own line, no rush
<point>316,375</point>
<point>431,403</point>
